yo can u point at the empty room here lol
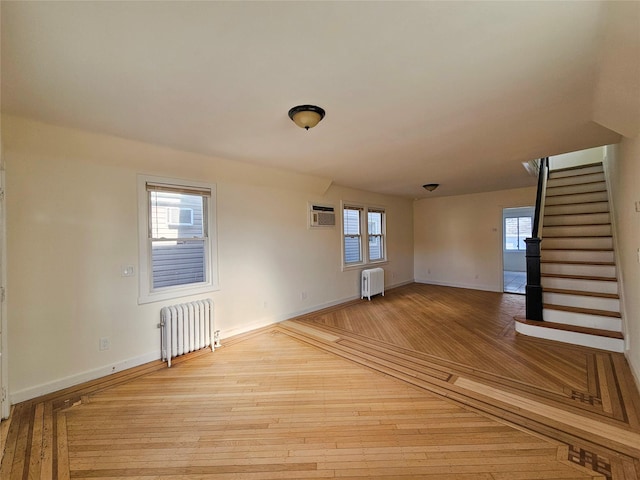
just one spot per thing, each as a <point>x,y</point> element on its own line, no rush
<point>287,240</point>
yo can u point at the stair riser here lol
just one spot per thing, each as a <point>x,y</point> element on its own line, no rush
<point>582,320</point>
<point>574,338</point>
<point>575,172</point>
<point>577,255</point>
<point>600,243</point>
<point>577,231</point>
<point>583,219</point>
<point>595,207</point>
<point>577,198</point>
<point>580,285</point>
<point>582,301</point>
<point>579,188</point>
<point>561,181</point>
<point>579,270</point>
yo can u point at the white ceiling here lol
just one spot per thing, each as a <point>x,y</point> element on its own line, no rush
<point>456,93</point>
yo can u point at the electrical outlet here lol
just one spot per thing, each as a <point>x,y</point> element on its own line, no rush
<point>303,295</point>
<point>104,343</point>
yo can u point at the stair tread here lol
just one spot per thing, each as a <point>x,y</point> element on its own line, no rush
<point>545,225</point>
<point>572,328</point>
<point>574,193</point>
<point>576,236</point>
<point>574,249</point>
<point>577,167</point>
<point>575,203</point>
<point>580,277</point>
<point>588,311</point>
<point>574,213</point>
<point>581,293</point>
<point>575,262</point>
<point>573,184</point>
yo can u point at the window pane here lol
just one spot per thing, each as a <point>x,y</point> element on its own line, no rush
<point>375,248</point>
<point>351,221</point>
<point>178,262</point>
<point>352,250</point>
<point>177,215</point>
<point>524,231</point>
<point>511,234</point>
<point>176,218</point>
<point>375,223</point>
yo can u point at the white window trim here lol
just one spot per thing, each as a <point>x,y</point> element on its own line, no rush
<point>364,235</point>
<point>145,293</point>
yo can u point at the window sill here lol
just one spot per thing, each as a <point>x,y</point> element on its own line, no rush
<point>175,293</point>
<point>362,266</point>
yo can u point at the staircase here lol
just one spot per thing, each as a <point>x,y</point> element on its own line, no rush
<point>578,270</point>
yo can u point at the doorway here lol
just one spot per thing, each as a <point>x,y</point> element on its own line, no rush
<point>517,225</point>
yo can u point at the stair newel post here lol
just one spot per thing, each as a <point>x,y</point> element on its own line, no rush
<point>534,288</point>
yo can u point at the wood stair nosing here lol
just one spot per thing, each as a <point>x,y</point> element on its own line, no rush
<point>574,203</point>
<point>546,225</point>
<point>578,249</point>
<point>587,311</point>
<point>581,293</point>
<point>576,236</point>
<point>549,187</point>
<point>575,262</point>
<point>572,328</point>
<point>548,195</point>
<point>575,213</point>
<point>580,277</point>
<point>577,167</point>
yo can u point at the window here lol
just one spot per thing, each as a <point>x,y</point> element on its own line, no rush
<point>176,231</point>
<point>352,235</point>
<point>376,245</point>
<point>355,220</point>
<point>516,229</point>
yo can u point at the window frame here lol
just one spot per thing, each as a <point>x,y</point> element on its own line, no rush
<point>365,235</point>
<point>146,292</point>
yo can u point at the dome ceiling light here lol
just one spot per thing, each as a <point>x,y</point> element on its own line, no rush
<point>430,186</point>
<point>306,116</point>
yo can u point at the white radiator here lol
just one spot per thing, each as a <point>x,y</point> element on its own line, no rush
<point>187,327</point>
<point>372,282</point>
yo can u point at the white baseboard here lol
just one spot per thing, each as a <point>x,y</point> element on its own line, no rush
<point>266,321</point>
<point>62,383</point>
<point>486,288</point>
<point>70,381</point>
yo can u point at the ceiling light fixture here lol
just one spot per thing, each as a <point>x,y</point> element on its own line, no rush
<point>430,186</point>
<point>306,116</point>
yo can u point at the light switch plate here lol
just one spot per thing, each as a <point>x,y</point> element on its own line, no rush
<point>127,271</point>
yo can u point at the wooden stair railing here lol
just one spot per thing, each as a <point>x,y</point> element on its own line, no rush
<point>533,289</point>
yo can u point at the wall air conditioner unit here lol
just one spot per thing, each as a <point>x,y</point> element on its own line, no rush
<point>321,216</point>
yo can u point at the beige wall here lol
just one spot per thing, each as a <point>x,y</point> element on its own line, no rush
<point>72,224</point>
<point>622,164</point>
<point>458,239</point>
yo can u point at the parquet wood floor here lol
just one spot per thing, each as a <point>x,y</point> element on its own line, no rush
<point>426,382</point>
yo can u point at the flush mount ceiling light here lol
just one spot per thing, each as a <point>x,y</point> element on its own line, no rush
<point>306,116</point>
<point>430,186</point>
